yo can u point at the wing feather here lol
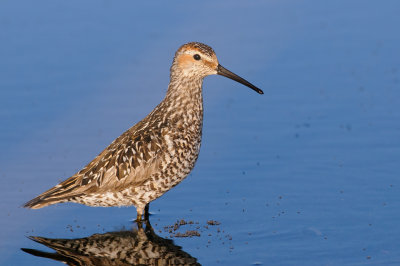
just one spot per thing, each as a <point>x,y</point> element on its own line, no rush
<point>127,161</point>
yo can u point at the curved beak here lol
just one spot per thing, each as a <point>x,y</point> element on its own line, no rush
<point>226,73</point>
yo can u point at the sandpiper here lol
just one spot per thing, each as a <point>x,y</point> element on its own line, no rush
<point>157,153</point>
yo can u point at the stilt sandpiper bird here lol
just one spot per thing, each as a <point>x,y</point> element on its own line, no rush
<point>157,153</point>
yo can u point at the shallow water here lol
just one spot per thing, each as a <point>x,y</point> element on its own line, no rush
<point>307,174</point>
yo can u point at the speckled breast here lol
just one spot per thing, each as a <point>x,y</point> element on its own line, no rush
<point>181,147</point>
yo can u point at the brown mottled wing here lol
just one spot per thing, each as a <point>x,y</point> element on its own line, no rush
<point>127,161</point>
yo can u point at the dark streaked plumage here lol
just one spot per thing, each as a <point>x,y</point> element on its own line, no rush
<point>155,154</point>
<point>141,247</point>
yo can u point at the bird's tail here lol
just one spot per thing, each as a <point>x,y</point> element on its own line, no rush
<point>40,202</point>
<point>53,244</point>
<point>43,254</point>
<point>57,194</point>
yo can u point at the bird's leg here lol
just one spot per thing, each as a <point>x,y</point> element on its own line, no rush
<point>145,219</point>
<point>139,224</point>
<point>146,212</point>
<point>140,210</point>
<point>149,228</point>
<point>139,217</point>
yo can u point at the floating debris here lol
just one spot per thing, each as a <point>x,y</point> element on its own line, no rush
<point>212,222</point>
<point>188,233</point>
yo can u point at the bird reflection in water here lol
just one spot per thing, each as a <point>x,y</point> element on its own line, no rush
<point>136,247</point>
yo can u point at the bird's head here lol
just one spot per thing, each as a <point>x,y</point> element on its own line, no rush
<point>199,60</point>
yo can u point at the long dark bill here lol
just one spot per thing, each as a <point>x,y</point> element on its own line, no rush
<point>226,73</point>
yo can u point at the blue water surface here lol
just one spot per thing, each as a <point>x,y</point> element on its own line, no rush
<point>306,174</point>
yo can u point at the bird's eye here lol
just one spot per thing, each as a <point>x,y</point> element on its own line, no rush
<point>196,57</point>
